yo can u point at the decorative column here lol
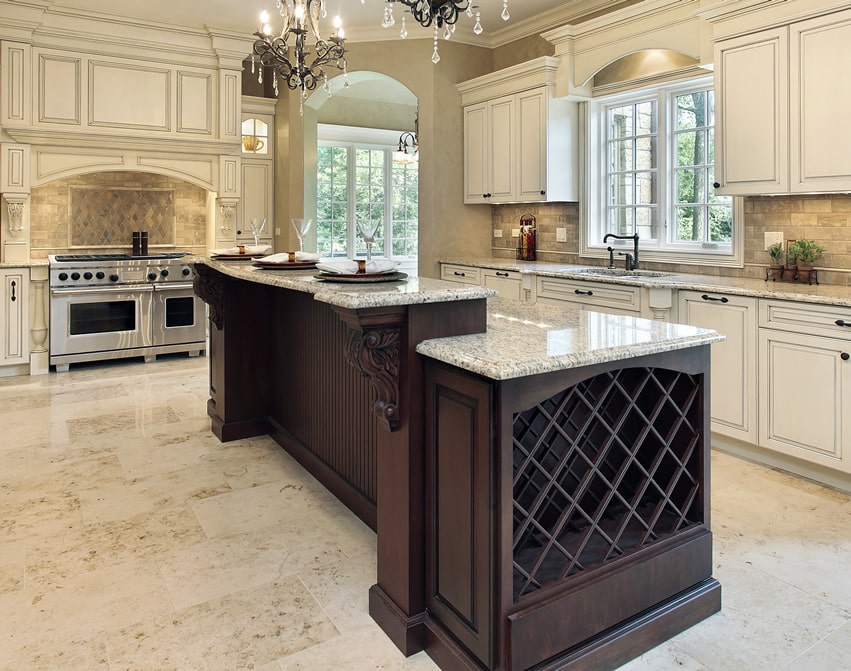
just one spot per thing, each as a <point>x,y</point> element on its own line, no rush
<point>39,356</point>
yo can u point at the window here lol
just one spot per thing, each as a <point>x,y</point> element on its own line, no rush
<point>255,136</point>
<point>653,152</point>
<point>358,178</point>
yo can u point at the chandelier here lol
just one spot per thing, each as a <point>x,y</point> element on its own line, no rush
<point>298,67</point>
<point>409,145</point>
<point>440,13</point>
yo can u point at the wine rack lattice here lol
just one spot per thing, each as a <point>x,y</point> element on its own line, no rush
<point>602,469</point>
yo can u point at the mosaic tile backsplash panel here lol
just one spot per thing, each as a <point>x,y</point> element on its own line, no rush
<point>99,212</point>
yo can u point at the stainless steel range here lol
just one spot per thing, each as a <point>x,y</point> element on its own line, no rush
<point>110,306</point>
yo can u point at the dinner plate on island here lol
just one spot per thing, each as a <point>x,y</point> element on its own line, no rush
<point>288,261</point>
<point>240,252</point>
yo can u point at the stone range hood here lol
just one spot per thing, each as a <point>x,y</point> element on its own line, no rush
<point>84,94</point>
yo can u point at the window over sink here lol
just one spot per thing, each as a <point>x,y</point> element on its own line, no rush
<point>651,156</point>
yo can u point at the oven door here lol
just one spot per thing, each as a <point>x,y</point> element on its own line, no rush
<point>179,316</point>
<point>99,319</point>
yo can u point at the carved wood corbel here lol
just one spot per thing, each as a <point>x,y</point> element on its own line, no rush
<point>208,285</point>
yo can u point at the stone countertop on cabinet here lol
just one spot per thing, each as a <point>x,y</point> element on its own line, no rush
<point>408,291</point>
<point>24,264</point>
<point>524,339</point>
<point>826,294</point>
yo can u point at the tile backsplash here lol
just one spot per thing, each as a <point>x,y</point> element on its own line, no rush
<point>823,218</point>
<point>99,212</point>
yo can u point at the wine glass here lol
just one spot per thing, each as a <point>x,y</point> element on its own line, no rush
<point>301,227</point>
<point>368,228</point>
<point>257,230</point>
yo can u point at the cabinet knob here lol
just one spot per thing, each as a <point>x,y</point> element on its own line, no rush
<point>845,356</point>
<point>842,322</point>
<point>723,299</point>
<point>583,293</point>
<point>543,193</point>
<point>716,184</point>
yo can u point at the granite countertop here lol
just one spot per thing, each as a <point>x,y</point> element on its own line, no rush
<point>525,339</point>
<point>827,294</point>
<point>26,264</point>
<point>409,291</point>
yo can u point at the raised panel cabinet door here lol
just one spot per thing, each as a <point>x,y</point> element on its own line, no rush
<point>476,175</point>
<point>532,145</point>
<point>507,287</point>
<point>752,118</point>
<point>257,198</point>
<point>820,94</point>
<point>14,336</point>
<point>733,364</point>
<point>502,148</point>
<point>803,397</point>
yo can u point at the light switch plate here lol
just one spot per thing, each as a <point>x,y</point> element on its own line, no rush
<point>497,232</point>
<point>771,238</point>
<point>277,231</point>
<point>561,235</point>
<point>515,232</point>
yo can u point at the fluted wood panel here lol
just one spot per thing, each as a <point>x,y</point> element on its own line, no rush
<point>321,400</point>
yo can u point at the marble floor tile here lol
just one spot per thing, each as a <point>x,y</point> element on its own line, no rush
<point>131,538</point>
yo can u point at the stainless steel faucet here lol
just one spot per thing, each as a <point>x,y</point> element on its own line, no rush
<point>630,260</point>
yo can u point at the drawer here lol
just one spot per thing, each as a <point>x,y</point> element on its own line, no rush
<point>809,318</point>
<point>619,297</point>
<point>464,274</point>
<point>509,283</point>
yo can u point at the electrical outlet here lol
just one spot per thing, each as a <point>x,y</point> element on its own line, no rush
<point>497,232</point>
<point>277,231</point>
<point>771,238</point>
<point>515,232</point>
<point>561,235</point>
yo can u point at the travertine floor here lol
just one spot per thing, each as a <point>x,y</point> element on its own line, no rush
<point>130,538</point>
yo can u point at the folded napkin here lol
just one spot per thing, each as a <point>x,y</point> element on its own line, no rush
<point>351,267</point>
<point>250,250</point>
<point>284,257</point>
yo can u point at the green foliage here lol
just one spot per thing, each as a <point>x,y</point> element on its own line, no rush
<point>775,251</point>
<point>805,252</point>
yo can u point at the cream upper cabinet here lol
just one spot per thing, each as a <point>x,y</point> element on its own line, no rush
<point>734,376</point>
<point>782,106</point>
<point>752,119</point>
<point>257,171</point>
<point>519,140</point>
<point>14,333</point>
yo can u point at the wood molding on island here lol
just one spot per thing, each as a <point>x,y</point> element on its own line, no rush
<point>457,441</point>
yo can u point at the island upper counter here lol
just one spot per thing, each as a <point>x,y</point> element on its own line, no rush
<point>537,477</point>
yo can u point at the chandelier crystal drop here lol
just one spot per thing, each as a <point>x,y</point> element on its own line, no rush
<point>288,55</point>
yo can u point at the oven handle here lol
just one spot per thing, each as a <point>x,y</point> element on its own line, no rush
<point>122,289</point>
<point>174,287</point>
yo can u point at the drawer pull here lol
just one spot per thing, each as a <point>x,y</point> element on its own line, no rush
<point>460,274</point>
<point>842,322</point>
<point>723,299</point>
<point>14,297</point>
<point>499,274</point>
<point>583,293</point>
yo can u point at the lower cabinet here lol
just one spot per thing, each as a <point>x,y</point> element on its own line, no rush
<point>597,296</point>
<point>14,333</point>
<point>463,274</point>
<point>508,283</point>
<point>734,373</point>
<point>805,382</point>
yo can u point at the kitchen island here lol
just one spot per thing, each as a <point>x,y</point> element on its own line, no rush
<point>538,478</point>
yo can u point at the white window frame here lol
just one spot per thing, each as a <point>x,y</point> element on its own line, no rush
<point>593,209</point>
<point>368,138</point>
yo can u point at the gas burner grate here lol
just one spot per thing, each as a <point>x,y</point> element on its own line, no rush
<point>70,258</point>
<point>603,469</point>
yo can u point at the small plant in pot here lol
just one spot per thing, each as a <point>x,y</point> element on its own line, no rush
<point>806,253</point>
<point>791,269</point>
<point>775,251</point>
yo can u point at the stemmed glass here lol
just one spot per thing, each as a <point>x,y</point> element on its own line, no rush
<point>368,228</point>
<point>257,230</point>
<point>301,227</point>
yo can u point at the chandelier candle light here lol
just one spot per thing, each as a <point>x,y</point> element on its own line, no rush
<point>301,69</point>
<point>441,13</point>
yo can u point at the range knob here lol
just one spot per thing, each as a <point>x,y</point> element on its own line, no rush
<point>63,277</point>
<point>113,278</point>
<point>87,275</point>
<point>99,274</point>
<point>164,272</point>
<point>152,277</point>
<point>185,271</point>
<point>75,276</point>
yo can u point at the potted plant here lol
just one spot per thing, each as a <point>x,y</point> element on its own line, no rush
<point>791,271</point>
<point>775,251</point>
<point>806,252</point>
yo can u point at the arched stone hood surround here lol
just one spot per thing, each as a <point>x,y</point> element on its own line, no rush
<point>82,93</point>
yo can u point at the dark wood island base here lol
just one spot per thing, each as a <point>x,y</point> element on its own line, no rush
<point>551,521</point>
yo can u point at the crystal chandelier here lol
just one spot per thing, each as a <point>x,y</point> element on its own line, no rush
<point>300,68</point>
<point>409,145</point>
<point>441,13</point>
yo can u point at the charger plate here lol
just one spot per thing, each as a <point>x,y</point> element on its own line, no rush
<point>360,278</point>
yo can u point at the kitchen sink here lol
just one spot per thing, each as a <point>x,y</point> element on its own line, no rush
<point>620,272</point>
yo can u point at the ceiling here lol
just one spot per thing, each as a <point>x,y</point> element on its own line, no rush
<point>361,20</point>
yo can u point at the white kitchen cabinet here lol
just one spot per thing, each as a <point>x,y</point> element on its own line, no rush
<point>508,283</point>
<point>782,110</point>
<point>519,140</point>
<point>14,316</point>
<point>597,296</point>
<point>463,274</point>
<point>805,382</point>
<point>257,170</point>
<point>734,374</point>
